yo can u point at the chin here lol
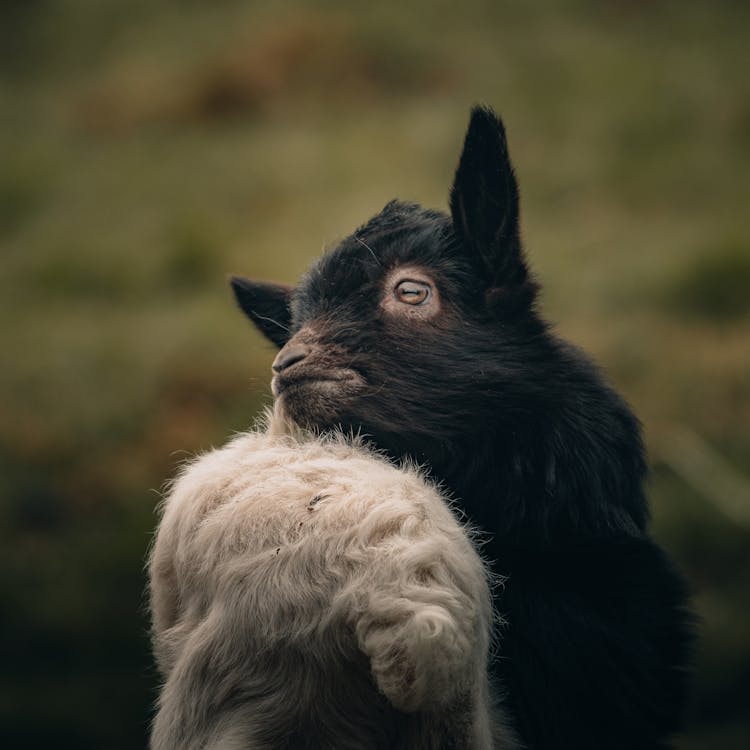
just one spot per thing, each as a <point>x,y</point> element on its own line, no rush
<point>318,404</point>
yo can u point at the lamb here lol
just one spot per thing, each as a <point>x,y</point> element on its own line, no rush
<point>306,593</point>
<point>421,332</point>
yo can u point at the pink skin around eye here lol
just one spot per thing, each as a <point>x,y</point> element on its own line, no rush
<point>399,286</point>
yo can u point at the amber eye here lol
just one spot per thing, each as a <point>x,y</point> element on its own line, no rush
<point>412,292</point>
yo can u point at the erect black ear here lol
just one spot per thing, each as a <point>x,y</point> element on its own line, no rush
<point>484,201</point>
<point>266,304</point>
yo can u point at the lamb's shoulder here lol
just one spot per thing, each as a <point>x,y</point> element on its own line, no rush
<point>262,492</point>
<point>272,484</point>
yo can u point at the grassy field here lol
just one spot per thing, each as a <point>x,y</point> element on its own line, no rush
<point>147,149</point>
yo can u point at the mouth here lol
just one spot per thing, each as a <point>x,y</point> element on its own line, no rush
<point>328,382</point>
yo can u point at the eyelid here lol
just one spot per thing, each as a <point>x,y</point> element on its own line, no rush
<point>413,280</point>
<point>421,291</point>
<point>418,282</point>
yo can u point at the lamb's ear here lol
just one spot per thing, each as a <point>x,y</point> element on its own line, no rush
<point>484,201</point>
<point>266,304</point>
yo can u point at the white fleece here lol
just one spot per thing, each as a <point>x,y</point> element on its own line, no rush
<point>307,593</point>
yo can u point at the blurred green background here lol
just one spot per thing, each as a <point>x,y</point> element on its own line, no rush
<point>149,147</point>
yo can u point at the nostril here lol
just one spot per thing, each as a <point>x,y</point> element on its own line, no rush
<point>290,355</point>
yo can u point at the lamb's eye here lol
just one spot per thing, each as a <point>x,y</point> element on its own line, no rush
<point>412,292</point>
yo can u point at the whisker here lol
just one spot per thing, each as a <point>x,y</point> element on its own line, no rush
<point>364,244</point>
<point>270,320</point>
<point>351,329</point>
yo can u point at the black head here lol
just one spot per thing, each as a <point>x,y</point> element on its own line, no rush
<point>420,326</point>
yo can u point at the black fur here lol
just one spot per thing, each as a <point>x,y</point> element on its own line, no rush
<point>544,456</point>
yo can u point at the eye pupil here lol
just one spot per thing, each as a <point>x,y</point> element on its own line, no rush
<point>413,292</point>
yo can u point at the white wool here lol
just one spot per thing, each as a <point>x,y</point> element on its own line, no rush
<point>304,587</point>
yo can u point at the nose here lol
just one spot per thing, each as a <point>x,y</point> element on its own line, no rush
<point>289,356</point>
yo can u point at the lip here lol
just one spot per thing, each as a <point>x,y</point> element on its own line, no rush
<point>283,383</point>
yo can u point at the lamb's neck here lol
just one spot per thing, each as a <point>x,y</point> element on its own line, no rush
<point>566,474</point>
